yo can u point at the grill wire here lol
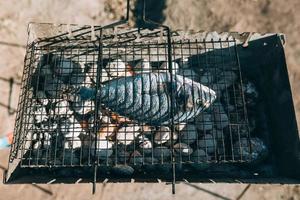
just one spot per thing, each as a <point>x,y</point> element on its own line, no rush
<point>55,130</point>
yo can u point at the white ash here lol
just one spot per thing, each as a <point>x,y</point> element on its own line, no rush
<point>204,121</point>
<point>103,150</point>
<point>105,119</point>
<point>162,135</point>
<point>42,97</point>
<point>127,134</point>
<point>73,144</point>
<point>145,144</point>
<point>104,76</point>
<point>83,107</point>
<point>220,117</point>
<point>37,145</point>
<point>71,128</point>
<point>46,143</point>
<point>180,126</point>
<point>147,130</point>
<point>143,66</point>
<point>183,149</point>
<point>208,143</point>
<point>116,68</point>
<point>62,108</point>
<point>40,114</point>
<point>188,134</point>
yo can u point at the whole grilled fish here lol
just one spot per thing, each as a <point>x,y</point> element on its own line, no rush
<point>146,97</point>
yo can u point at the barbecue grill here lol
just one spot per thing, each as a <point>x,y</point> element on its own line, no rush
<point>247,134</point>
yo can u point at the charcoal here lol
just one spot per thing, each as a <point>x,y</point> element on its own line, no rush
<point>208,143</point>
<point>220,117</point>
<point>136,158</point>
<point>199,158</point>
<point>103,150</point>
<point>54,88</point>
<point>250,93</point>
<point>69,158</point>
<point>207,78</point>
<point>183,149</point>
<point>123,154</point>
<point>257,153</point>
<point>63,67</point>
<point>189,73</point>
<point>122,170</point>
<point>162,153</point>
<point>204,121</point>
<point>218,134</point>
<point>240,130</point>
<point>188,134</point>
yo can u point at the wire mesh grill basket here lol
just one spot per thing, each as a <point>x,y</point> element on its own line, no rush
<point>133,102</point>
<point>55,128</point>
<point>117,103</point>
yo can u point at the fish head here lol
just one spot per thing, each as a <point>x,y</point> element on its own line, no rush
<point>194,97</point>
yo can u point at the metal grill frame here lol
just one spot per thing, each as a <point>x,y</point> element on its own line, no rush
<point>95,40</point>
<point>94,48</point>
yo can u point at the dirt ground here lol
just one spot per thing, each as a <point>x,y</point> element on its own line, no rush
<point>218,15</point>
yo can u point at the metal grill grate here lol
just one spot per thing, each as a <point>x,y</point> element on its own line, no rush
<point>55,128</point>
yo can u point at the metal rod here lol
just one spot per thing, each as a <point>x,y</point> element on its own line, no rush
<point>169,44</point>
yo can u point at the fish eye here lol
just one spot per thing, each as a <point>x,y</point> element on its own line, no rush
<point>199,102</point>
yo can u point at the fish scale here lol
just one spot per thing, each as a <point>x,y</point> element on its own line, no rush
<point>146,97</point>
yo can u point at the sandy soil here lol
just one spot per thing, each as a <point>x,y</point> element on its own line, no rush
<point>230,15</point>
